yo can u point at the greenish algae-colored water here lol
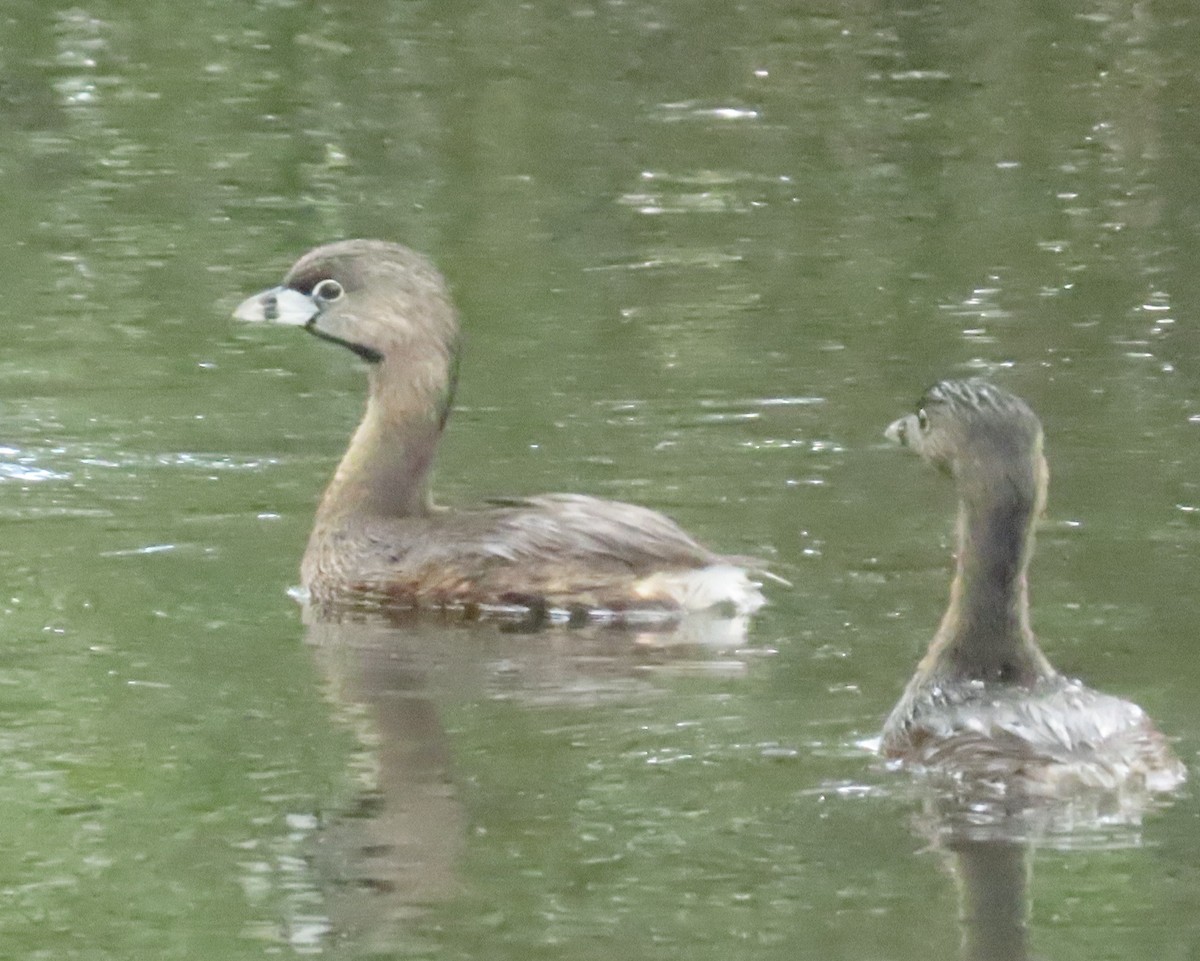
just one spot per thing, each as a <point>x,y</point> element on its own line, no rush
<point>704,253</point>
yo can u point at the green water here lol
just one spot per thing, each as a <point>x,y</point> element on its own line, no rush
<point>704,254</point>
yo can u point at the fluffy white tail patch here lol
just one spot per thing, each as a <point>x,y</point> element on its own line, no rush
<point>718,585</point>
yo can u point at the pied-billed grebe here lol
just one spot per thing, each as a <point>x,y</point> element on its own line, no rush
<point>377,532</point>
<point>985,701</point>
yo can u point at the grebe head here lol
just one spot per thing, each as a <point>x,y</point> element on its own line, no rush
<point>386,303</point>
<point>989,440</point>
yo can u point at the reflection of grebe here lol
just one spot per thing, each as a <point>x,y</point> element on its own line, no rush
<point>985,702</point>
<point>377,531</point>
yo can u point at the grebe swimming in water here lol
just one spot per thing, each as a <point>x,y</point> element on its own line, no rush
<point>377,533</point>
<point>985,702</point>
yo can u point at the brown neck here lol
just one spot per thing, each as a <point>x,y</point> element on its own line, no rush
<point>985,633</point>
<point>385,471</point>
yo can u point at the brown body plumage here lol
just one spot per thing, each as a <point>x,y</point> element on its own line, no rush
<point>985,701</point>
<point>377,532</point>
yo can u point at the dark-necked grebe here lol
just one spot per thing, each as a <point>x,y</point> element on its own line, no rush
<point>377,532</point>
<point>984,700</point>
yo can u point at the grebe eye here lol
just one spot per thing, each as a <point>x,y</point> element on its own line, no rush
<point>328,291</point>
<point>922,419</point>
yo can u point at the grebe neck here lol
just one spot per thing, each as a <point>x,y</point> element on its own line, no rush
<point>385,470</point>
<point>985,633</point>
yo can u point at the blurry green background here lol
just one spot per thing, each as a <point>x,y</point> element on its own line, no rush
<point>704,253</point>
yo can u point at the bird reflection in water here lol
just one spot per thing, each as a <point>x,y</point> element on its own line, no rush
<point>380,543</point>
<point>395,849</point>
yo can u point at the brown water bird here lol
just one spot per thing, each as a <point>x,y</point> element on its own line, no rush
<point>985,701</point>
<point>377,532</point>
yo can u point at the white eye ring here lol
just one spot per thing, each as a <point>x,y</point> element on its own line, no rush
<point>328,291</point>
<point>922,419</point>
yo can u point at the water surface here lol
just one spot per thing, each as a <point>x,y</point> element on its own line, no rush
<point>704,256</point>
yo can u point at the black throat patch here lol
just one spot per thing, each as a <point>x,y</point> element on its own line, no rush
<point>370,355</point>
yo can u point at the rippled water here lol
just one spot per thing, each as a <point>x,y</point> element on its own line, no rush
<point>703,256</point>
